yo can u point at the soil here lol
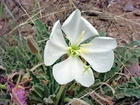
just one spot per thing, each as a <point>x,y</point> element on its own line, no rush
<point>118,18</point>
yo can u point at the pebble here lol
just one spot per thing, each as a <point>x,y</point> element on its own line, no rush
<point>137,13</point>
<point>128,8</point>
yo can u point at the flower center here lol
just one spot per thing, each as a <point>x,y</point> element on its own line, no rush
<point>78,50</point>
<point>74,51</point>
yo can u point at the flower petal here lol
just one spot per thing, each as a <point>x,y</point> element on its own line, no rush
<point>62,71</point>
<point>70,69</point>
<point>56,35</point>
<point>52,52</point>
<point>84,77</point>
<point>88,28</point>
<point>100,61</point>
<point>56,46</point>
<point>102,44</point>
<point>75,25</point>
<point>71,26</point>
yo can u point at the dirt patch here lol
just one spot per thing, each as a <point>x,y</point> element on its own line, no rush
<point>120,19</point>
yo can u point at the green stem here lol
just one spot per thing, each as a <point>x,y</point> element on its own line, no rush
<point>3,87</point>
<point>40,59</point>
<point>71,89</point>
<point>59,94</point>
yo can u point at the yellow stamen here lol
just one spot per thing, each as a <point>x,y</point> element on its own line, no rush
<point>81,37</point>
<point>83,50</point>
<point>87,44</point>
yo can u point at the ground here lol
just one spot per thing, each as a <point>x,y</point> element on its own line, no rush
<point>119,19</point>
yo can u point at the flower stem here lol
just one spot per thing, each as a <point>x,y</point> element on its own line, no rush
<point>71,90</point>
<point>3,87</point>
<point>40,59</point>
<point>59,94</point>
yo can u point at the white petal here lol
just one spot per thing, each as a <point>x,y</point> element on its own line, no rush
<point>70,69</point>
<point>56,46</point>
<point>71,26</point>
<point>88,28</point>
<point>75,24</point>
<point>102,44</point>
<point>82,76</point>
<point>56,35</point>
<point>100,61</point>
<point>52,52</point>
<point>62,71</point>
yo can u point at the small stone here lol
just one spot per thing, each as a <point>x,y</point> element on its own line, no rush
<point>128,8</point>
<point>122,25</point>
<point>137,13</point>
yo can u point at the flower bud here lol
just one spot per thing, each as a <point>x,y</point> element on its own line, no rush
<point>32,45</point>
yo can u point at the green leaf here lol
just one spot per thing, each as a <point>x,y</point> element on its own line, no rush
<point>5,99</point>
<point>39,91</point>
<point>102,33</point>
<point>129,89</point>
<point>111,73</point>
<point>36,93</point>
<point>34,78</point>
<point>41,29</point>
<point>134,43</point>
<point>122,92</point>
<point>1,9</point>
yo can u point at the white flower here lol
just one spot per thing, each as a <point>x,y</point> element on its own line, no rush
<point>98,53</point>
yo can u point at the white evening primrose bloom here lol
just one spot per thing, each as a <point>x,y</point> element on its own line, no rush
<point>98,53</point>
